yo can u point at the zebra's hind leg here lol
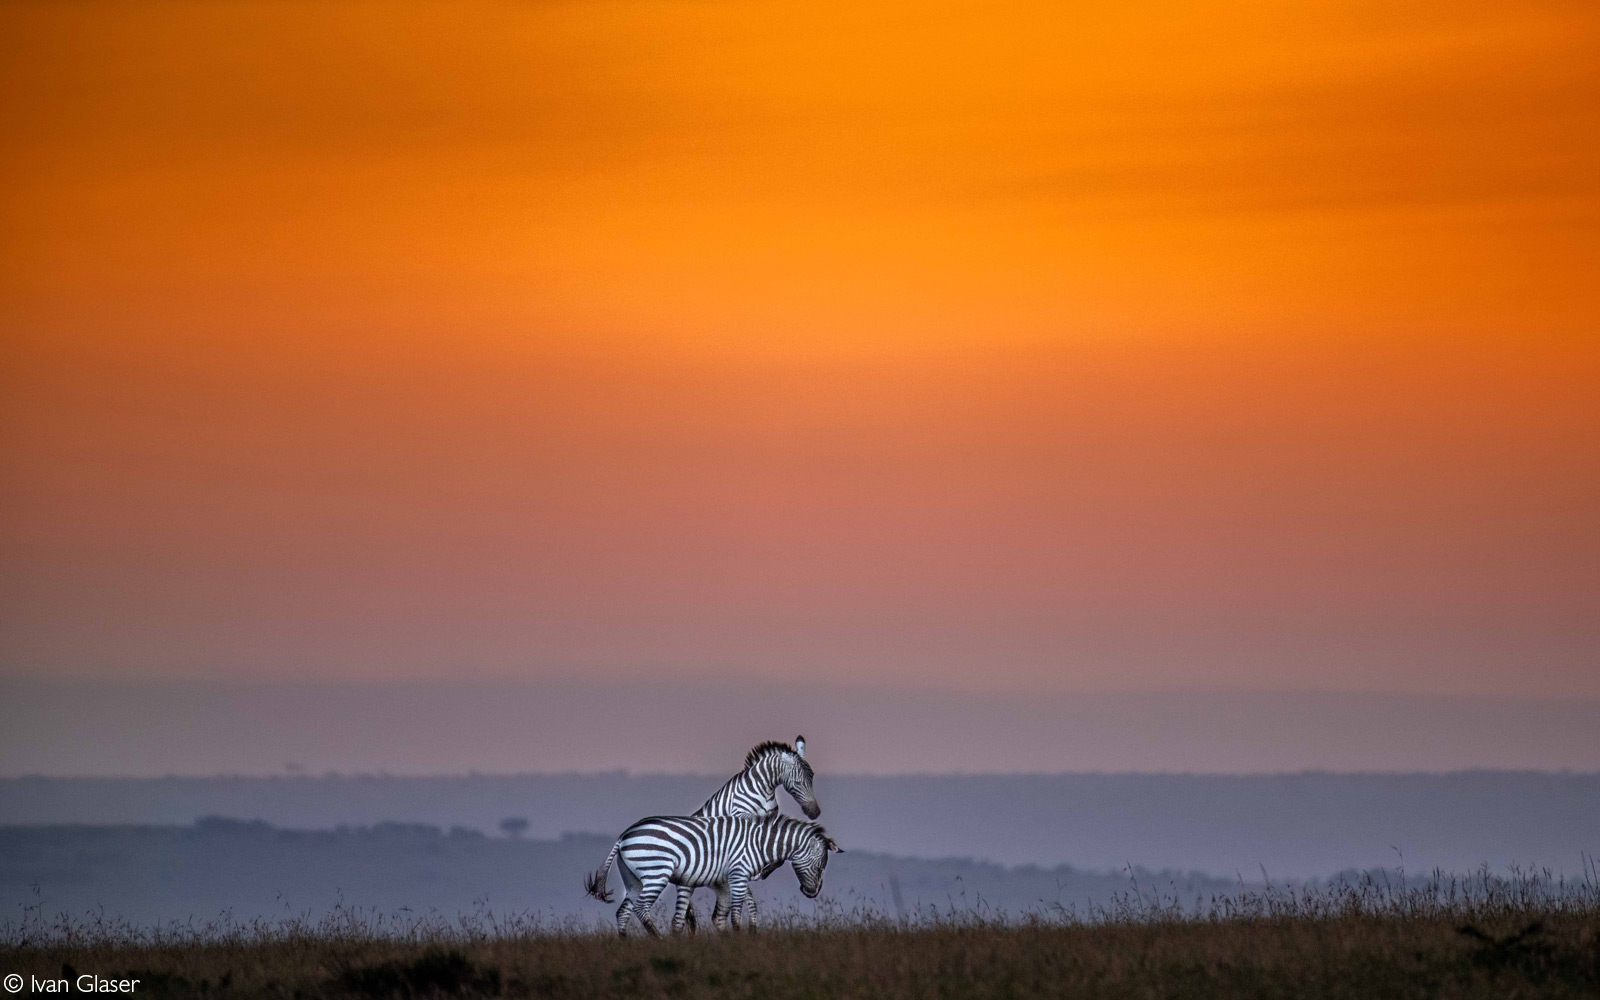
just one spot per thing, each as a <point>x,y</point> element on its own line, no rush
<point>632,909</point>
<point>683,912</point>
<point>645,903</point>
<point>631,888</point>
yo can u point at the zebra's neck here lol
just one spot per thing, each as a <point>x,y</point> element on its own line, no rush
<point>753,791</point>
<point>777,841</point>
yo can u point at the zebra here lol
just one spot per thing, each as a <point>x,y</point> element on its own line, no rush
<point>754,792</point>
<point>724,852</point>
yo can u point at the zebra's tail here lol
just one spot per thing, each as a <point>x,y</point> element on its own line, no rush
<point>594,883</point>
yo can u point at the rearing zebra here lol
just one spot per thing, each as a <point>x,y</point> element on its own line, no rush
<point>725,852</point>
<point>754,792</point>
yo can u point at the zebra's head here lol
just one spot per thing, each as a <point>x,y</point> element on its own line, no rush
<point>795,771</point>
<point>810,859</point>
<point>773,763</point>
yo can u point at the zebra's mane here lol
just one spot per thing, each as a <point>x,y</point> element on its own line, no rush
<point>762,750</point>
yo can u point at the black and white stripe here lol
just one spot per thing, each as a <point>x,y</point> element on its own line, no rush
<point>724,852</point>
<point>754,792</point>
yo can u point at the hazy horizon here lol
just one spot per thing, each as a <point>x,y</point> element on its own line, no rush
<point>1300,825</point>
<point>208,727</point>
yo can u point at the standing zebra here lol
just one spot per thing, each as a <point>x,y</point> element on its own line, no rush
<point>754,792</point>
<point>724,852</point>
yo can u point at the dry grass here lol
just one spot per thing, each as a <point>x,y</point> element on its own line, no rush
<point>1523,936</point>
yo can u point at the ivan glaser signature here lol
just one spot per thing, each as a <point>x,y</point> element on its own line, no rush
<point>86,983</point>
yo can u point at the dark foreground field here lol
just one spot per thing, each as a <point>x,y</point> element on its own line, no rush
<point>1489,939</point>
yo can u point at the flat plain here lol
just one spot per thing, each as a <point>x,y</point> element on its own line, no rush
<point>1502,937</point>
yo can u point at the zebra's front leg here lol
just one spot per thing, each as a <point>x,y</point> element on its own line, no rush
<point>739,896</point>
<point>719,916</point>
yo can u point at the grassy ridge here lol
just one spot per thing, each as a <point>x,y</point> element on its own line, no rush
<point>1524,937</point>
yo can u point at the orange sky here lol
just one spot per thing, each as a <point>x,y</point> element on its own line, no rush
<point>1014,346</point>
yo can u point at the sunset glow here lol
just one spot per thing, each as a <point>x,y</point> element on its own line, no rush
<point>1013,347</point>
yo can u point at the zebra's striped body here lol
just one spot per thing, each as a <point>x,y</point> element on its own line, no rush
<point>724,852</point>
<point>754,792</point>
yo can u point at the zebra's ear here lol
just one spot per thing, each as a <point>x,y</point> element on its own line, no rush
<point>800,745</point>
<point>832,846</point>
